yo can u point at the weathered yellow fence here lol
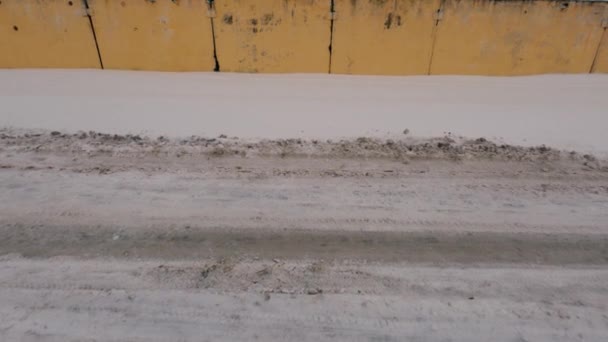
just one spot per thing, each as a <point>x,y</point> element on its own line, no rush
<point>153,35</point>
<point>384,37</point>
<point>46,33</point>
<point>272,35</point>
<point>517,37</point>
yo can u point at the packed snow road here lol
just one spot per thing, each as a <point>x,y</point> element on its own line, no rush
<point>128,238</point>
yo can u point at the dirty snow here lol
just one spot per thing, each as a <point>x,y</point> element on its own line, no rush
<point>563,111</point>
<point>189,207</point>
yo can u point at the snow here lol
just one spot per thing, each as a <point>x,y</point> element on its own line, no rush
<point>123,240</point>
<point>563,111</point>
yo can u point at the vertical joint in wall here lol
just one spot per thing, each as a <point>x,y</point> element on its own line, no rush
<point>438,16</point>
<point>604,26</point>
<point>332,18</point>
<point>89,14</point>
<point>211,14</point>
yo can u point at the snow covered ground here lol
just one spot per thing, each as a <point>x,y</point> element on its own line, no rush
<point>563,111</point>
<point>134,237</point>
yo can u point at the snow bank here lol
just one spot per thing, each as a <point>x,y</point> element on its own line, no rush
<point>564,111</point>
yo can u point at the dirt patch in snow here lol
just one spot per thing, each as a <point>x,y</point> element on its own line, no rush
<point>408,148</point>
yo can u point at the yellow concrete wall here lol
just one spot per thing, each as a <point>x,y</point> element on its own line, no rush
<point>273,35</point>
<point>386,37</point>
<point>516,37</point>
<point>161,35</point>
<point>46,34</point>
<point>383,37</point>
